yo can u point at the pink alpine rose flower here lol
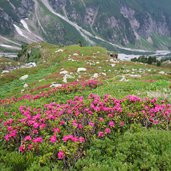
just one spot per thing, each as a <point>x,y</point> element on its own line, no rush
<point>107,130</point>
<point>62,122</point>
<point>101,119</point>
<point>27,138</point>
<point>100,134</point>
<point>61,155</point>
<point>38,140</point>
<point>53,139</point>
<point>7,137</point>
<point>35,131</point>
<point>80,126</point>
<point>81,139</point>
<point>42,126</point>
<point>111,124</point>
<point>122,123</point>
<point>74,139</point>
<point>35,125</point>
<point>30,147</point>
<point>22,148</point>
<point>155,122</point>
<point>91,124</point>
<point>56,130</point>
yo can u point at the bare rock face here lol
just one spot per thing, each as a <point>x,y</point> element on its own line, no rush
<point>14,13</point>
<point>58,5</point>
<point>144,25</point>
<point>5,23</point>
<point>129,14</point>
<point>90,16</point>
<point>112,21</point>
<point>26,7</point>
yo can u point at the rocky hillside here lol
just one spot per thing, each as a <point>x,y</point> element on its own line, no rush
<point>48,65</point>
<point>112,23</point>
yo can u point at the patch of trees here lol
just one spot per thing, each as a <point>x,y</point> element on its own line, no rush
<point>29,55</point>
<point>152,60</point>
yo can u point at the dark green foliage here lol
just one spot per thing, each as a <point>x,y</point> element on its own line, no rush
<point>151,60</point>
<point>15,161</point>
<point>158,63</point>
<point>34,56</point>
<point>144,150</point>
<point>148,60</point>
<point>29,55</point>
<point>22,51</point>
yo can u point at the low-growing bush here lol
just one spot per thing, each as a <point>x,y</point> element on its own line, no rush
<point>144,150</point>
<point>62,132</point>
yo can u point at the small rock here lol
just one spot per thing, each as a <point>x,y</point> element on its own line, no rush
<point>127,71</point>
<point>29,65</point>
<point>41,80</point>
<point>113,65</point>
<point>81,69</point>
<point>66,77</point>
<point>5,71</point>
<point>55,85</point>
<point>24,77</point>
<point>135,76</point>
<point>75,54</point>
<point>123,79</point>
<point>25,85</point>
<point>59,50</point>
<point>96,75</point>
<point>162,72</point>
<point>70,59</point>
<point>112,60</point>
<point>64,72</point>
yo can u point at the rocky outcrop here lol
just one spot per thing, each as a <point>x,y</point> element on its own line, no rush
<point>6,26</point>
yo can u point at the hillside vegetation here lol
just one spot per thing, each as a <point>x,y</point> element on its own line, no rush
<point>80,109</point>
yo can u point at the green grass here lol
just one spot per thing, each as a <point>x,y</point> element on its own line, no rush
<point>50,70</point>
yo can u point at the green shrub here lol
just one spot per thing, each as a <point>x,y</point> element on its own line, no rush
<point>34,56</point>
<point>16,161</point>
<point>144,150</point>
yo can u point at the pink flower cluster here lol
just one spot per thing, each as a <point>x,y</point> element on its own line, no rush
<point>59,126</point>
<point>73,138</point>
<point>65,88</point>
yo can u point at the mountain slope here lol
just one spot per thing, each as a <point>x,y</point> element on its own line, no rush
<point>140,24</point>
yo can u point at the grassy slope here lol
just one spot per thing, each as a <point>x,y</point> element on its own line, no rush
<point>51,63</point>
<point>48,69</point>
